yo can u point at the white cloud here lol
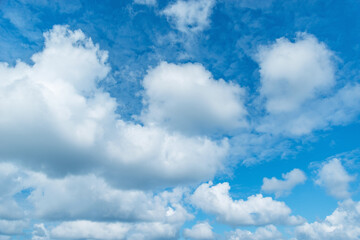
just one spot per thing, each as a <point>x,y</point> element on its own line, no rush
<point>187,98</point>
<point>293,72</point>
<point>57,99</point>
<point>136,213</point>
<point>200,231</point>
<point>90,197</point>
<point>342,224</point>
<point>297,84</point>
<point>283,187</point>
<point>190,16</point>
<point>321,113</point>
<point>269,232</point>
<point>256,210</point>
<point>333,176</point>
<point>82,229</point>
<point>89,230</point>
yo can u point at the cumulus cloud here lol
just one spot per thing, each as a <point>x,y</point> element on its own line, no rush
<point>87,197</point>
<point>333,176</point>
<point>58,120</point>
<point>190,16</point>
<point>293,72</point>
<point>200,231</point>
<point>12,217</point>
<point>187,98</point>
<point>90,197</point>
<point>342,224</point>
<point>269,232</point>
<point>283,187</point>
<point>297,83</point>
<point>256,210</point>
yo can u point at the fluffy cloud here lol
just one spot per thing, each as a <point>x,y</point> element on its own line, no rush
<point>292,73</point>
<point>333,176</point>
<point>283,187</point>
<point>200,231</point>
<point>190,16</point>
<point>90,197</point>
<point>262,233</point>
<point>70,125</point>
<point>150,156</point>
<point>342,224</point>
<point>187,98</point>
<point>297,80</point>
<point>133,212</point>
<point>256,210</point>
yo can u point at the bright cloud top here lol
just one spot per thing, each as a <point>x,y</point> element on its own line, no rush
<point>283,187</point>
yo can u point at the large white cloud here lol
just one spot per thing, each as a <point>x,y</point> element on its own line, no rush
<point>333,176</point>
<point>342,224</point>
<point>283,187</point>
<point>151,156</point>
<point>256,210</point>
<point>56,119</point>
<point>90,197</point>
<point>297,85</point>
<point>190,16</point>
<point>92,200</point>
<point>187,98</point>
<point>293,72</point>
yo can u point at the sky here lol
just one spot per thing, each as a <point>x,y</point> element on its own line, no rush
<point>182,119</point>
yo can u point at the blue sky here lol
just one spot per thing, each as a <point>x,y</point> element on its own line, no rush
<point>184,119</point>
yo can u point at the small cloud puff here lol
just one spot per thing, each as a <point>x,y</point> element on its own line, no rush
<point>256,210</point>
<point>283,187</point>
